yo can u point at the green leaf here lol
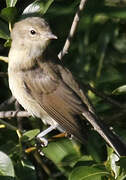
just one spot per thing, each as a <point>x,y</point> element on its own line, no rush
<point>122,176</point>
<point>3,35</point>
<point>120,90</point>
<point>9,14</point>
<point>38,7</point>
<point>60,149</point>
<point>47,5</point>
<point>120,44</point>
<point>8,43</point>
<point>111,163</point>
<point>113,159</point>
<point>71,159</point>
<point>29,135</point>
<point>88,173</point>
<point>6,166</point>
<point>4,31</point>
<point>85,161</point>
<point>11,3</point>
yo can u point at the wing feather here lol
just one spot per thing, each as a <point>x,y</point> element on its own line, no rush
<point>56,98</point>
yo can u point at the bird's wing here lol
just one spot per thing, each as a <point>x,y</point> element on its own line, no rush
<point>47,87</point>
<point>77,87</point>
<point>58,96</point>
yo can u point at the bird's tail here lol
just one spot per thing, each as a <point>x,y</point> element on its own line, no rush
<point>110,137</point>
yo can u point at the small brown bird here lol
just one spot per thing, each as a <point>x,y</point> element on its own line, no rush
<point>48,90</point>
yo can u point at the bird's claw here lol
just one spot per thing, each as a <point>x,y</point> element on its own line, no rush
<point>43,141</point>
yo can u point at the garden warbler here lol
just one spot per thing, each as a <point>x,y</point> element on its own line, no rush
<point>48,90</point>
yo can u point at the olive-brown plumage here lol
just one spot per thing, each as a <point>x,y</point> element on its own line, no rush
<point>45,88</point>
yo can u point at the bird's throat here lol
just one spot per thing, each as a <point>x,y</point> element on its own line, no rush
<point>24,58</point>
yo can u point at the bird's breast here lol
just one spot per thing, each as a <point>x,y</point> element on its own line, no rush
<point>19,91</point>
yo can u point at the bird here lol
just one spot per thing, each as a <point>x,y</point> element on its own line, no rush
<point>47,89</point>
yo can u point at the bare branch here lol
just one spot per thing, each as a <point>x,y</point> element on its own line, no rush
<point>117,118</point>
<point>19,119</point>
<point>9,126</point>
<point>11,114</point>
<point>7,102</point>
<point>5,59</point>
<point>3,74</point>
<point>72,30</point>
<point>105,97</point>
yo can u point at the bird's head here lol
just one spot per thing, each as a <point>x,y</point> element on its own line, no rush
<point>32,33</point>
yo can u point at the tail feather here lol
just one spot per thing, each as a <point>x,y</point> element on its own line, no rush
<point>110,137</point>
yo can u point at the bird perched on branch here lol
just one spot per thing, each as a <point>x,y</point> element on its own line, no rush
<point>48,90</point>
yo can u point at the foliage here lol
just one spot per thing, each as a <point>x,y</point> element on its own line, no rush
<point>97,56</point>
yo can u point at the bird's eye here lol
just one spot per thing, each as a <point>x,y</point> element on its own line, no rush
<point>32,32</point>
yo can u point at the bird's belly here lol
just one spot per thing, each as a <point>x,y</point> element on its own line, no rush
<point>19,92</point>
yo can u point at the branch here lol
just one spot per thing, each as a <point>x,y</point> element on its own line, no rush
<point>19,119</point>
<point>7,102</point>
<point>72,30</point>
<point>9,126</point>
<point>3,74</point>
<point>5,59</point>
<point>105,97</point>
<point>12,114</point>
<point>118,118</point>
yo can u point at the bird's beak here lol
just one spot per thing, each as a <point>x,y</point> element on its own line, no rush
<point>49,35</point>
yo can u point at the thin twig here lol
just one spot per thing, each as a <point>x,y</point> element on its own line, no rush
<point>12,114</point>
<point>7,102</point>
<point>9,126</point>
<point>19,119</point>
<point>105,97</point>
<point>5,59</point>
<point>39,161</point>
<point>116,118</point>
<point>72,30</point>
<point>3,74</point>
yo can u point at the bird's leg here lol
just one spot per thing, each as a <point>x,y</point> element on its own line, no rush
<point>41,135</point>
<point>58,136</point>
<point>62,135</point>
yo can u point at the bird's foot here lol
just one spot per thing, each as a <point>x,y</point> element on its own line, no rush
<point>43,141</point>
